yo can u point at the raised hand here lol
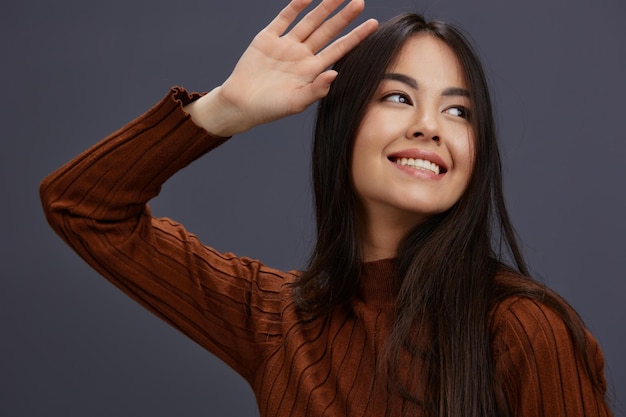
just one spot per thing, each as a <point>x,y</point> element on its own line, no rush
<point>282,72</point>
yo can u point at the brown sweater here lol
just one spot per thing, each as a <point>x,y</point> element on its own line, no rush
<point>243,312</point>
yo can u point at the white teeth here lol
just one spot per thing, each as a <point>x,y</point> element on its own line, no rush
<point>419,163</point>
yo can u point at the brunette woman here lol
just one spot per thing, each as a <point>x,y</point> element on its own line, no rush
<point>416,300</point>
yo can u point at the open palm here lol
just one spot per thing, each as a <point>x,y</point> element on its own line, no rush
<point>283,72</point>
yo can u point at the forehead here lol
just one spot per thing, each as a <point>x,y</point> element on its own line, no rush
<point>430,61</point>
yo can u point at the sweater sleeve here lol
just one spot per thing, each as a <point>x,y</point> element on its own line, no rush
<point>537,367</point>
<point>97,203</point>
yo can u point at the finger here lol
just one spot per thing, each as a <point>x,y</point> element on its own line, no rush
<point>314,19</point>
<point>317,89</point>
<point>333,52</point>
<point>323,81</point>
<point>332,27</point>
<point>287,15</point>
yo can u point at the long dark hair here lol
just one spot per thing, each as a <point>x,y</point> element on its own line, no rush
<point>446,267</point>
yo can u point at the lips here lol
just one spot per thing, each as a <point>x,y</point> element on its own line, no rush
<point>419,159</point>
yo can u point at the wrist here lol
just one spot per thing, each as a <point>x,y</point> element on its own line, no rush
<point>216,115</point>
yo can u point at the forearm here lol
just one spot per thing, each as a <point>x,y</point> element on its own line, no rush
<point>113,180</point>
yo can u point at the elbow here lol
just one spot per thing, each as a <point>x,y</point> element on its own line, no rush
<point>55,208</point>
<point>45,195</point>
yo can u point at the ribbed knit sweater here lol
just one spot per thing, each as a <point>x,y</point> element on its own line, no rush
<point>243,311</point>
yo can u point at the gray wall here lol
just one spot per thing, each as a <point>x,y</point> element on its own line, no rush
<point>73,71</point>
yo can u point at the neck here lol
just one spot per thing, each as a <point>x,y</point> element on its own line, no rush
<point>377,247</point>
<point>382,236</point>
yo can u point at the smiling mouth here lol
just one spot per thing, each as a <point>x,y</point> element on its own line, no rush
<point>419,164</point>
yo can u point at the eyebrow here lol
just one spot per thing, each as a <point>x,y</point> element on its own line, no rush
<point>404,79</point>
<point>411,82</point>
<point>456,91</point>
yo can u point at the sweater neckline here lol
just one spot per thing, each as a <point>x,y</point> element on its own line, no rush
<point>377,282</point>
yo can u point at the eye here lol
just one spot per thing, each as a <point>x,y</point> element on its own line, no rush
<point>398,98</point>
<point>459,111</point>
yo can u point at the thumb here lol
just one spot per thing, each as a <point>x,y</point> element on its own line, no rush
<point>321,84</point>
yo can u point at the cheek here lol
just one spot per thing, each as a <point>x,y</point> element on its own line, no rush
<point>383,124</point>
<point>367,162</point>
<point>359,171</point>
<point>464,148</point>
<point>463,154</point>
<point>367,144</point>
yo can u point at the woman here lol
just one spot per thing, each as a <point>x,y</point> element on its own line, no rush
<point>405,307</point>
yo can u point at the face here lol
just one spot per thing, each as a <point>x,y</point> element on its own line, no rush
<point>413,153</point>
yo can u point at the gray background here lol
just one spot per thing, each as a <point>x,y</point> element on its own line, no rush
<point>73,71</point>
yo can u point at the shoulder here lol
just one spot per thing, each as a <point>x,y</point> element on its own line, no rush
<point>536,328</point>
<point>541,366</point>
<point>531,316</point>
<point>528,324</point>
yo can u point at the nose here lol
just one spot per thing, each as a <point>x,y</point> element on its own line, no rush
<point>418,134</point>
<point>424,125</point>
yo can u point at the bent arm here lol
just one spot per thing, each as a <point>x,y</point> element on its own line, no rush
<point>97,204</point>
